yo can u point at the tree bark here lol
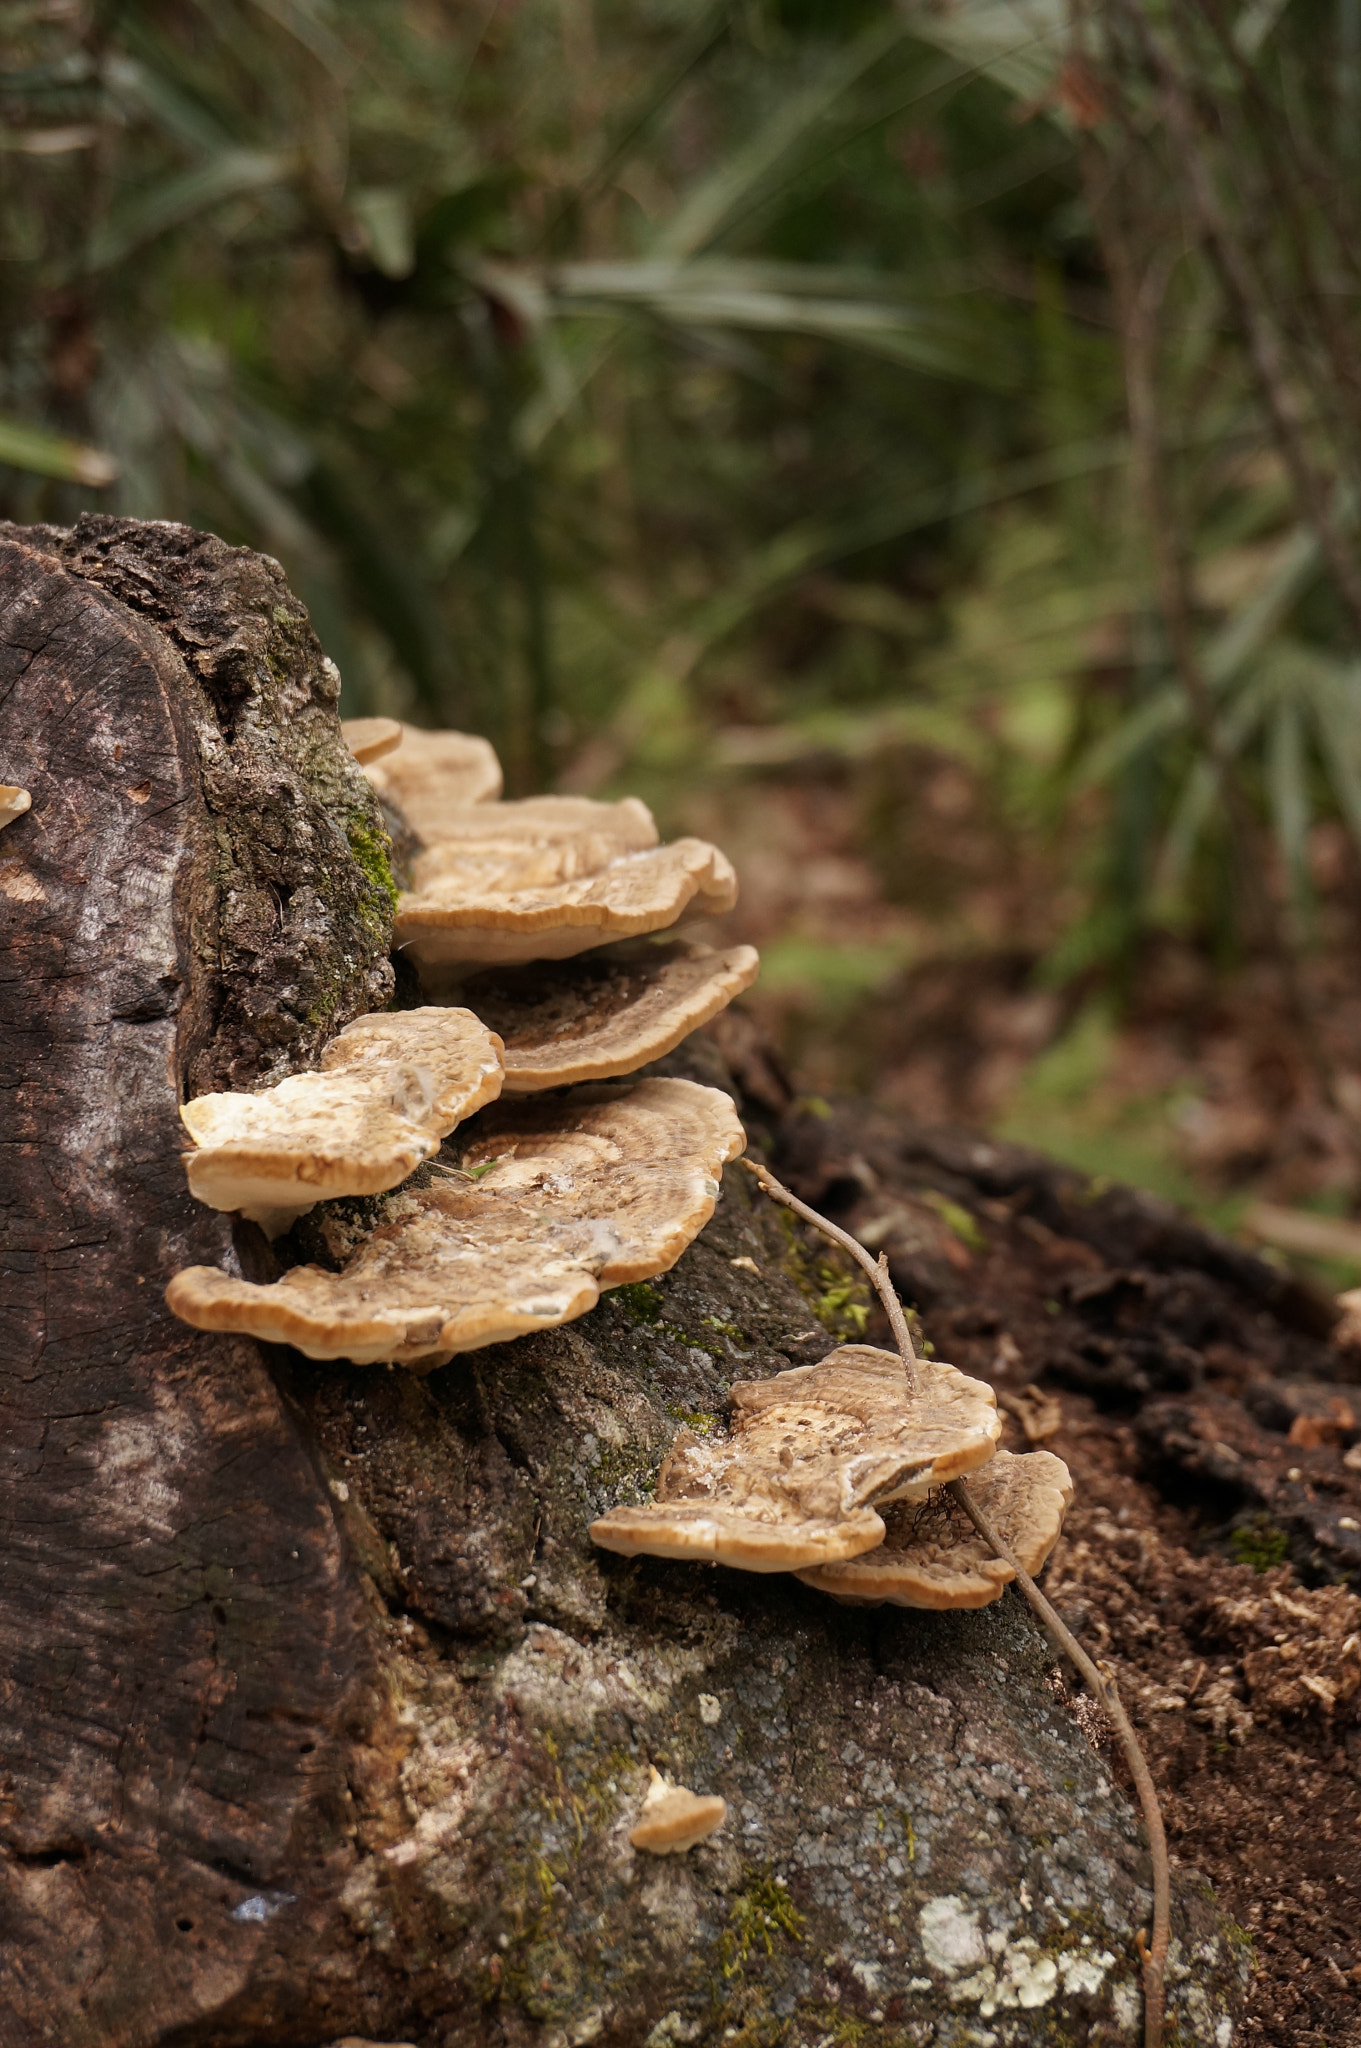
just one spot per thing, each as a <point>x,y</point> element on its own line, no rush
<point>319,1714</point>
<point>180,910</point>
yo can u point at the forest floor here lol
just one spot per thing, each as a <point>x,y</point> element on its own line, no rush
<point>1214,1436</point>
<point>922,953</point>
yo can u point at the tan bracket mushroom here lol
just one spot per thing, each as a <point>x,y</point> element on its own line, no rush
<point>813,1453</point>
<point>390,1089</point>
<point>368,739</point>
<point>13,803</point>
<point>550,877</point>
<point>932,1556</point>
<point>606,1013</point>
<point>674,1818</point>
<point>575,1193</point>
<point>432,773</point>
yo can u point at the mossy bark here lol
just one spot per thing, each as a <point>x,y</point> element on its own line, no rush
<point>321,1713</point>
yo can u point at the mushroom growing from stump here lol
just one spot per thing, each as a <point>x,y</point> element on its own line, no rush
<point>368,739</point>
<point>674,1818</point>
<point>932,1556</point>
<point>814,1452</point>
<point>390,1088</point>
<point>546,878</point>
<point>605,1013</point>
<point>428,772</point>
<point>583,1191</point>
<point>13,803</point>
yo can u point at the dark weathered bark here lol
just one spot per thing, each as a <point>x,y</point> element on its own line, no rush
<point>318,1712</point>
<point>177,1629</point>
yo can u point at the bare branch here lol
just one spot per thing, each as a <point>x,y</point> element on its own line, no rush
<point>877,1269</point>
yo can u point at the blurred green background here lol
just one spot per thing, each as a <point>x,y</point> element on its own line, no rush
<point>914,444</point>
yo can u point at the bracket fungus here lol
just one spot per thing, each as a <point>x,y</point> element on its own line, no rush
<point>607,1013</point>
<point>390,1089</point>
<point>549,877</point>
<point>583,1191</point>
<point>813,1454</point>
<point>13,803</point>
<point>674,1818</point>
<point>430,773</point>
<point>368,739</point>
<point>932,1555</point>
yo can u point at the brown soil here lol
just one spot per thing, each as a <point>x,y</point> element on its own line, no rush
<point>1206,1410</point>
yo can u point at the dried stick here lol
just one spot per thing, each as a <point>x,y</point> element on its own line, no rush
<point>1153,1956</point>
<point>876,1268</point>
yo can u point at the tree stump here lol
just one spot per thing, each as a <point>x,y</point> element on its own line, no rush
<point>319,1714</point>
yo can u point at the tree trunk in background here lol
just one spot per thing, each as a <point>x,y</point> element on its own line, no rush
<point>318,1711</point>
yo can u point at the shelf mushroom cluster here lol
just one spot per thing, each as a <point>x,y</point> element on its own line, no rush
<point>835,1472</point>
<point>530,921</point>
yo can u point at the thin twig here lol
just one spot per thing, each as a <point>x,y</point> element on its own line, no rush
<point>1153,1956</point>
<point>876,1268</point>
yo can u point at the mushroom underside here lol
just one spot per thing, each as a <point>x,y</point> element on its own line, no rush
<point>606,1013</point>
<point>933,1557</point>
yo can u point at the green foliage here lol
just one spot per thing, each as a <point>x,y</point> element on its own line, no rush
<point>679,392</point>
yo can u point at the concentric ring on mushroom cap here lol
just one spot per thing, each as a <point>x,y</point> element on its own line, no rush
<point>499,906</point>
<point>432,773</point>
<point>606,1013</point>
<point>589,1189</point>
<point>814,1453</point>
<point>932,1556</point>
<point>390,1088</point>
<point>13,802</point>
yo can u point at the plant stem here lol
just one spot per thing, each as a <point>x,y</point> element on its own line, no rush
<point>877,1269</point>
<point>1153,1957</point>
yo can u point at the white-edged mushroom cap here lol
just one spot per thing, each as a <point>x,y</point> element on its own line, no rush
<point>580,1191</point>
<point>948,1423</point>
<point>497,904</point>
<point>932,1556</point>
<point>606,1013</point>
<point>13,803</point>
<point>390,1088</point>
<point>434,773</point>
<point>814,1453</point>
<point>674,1819</point>
<point>368,739</point>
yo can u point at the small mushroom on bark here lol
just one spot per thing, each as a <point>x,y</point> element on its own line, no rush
<point>368,739</point>
<point>390,1089</point>
<point>547,878</point>
<point>814,1452</point>
<point>552,1201</point>
<point>431,774</point>
<point>13,803</point>
<point>674,1818</point>
<point>932,1556</point>
<point>606,1013</point>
